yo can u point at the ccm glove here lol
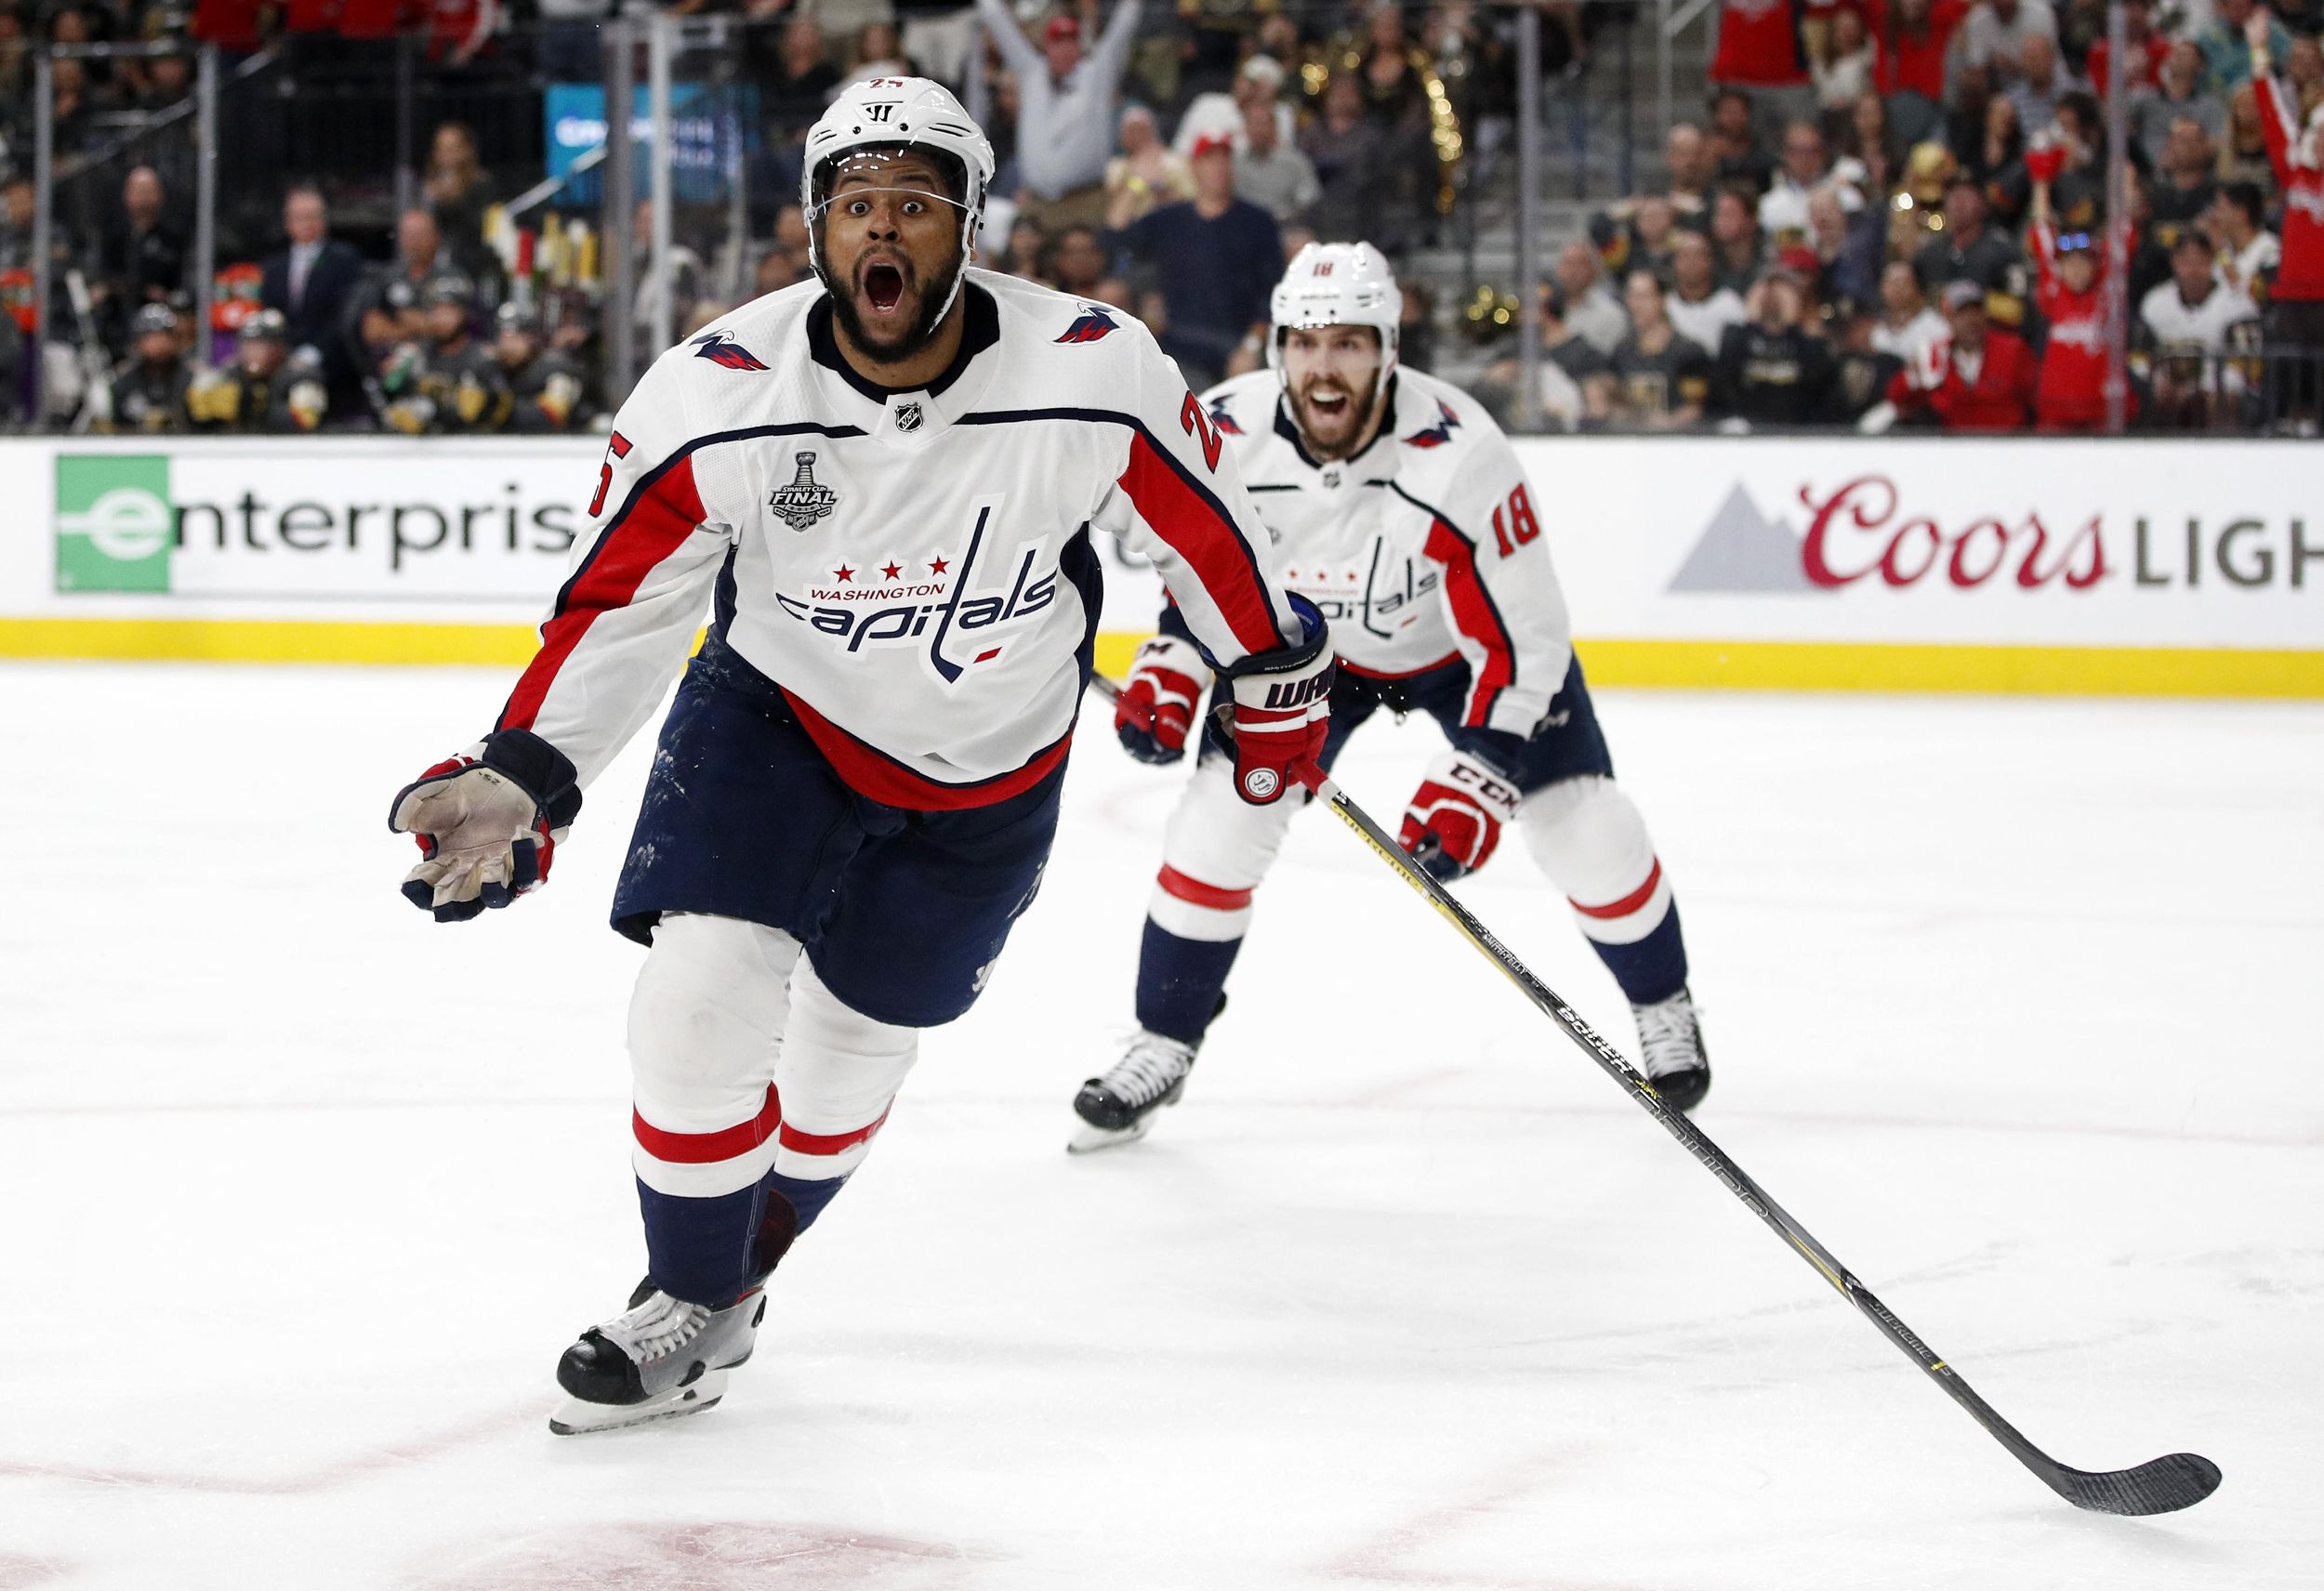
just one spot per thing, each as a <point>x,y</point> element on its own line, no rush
<point>1282,710</point>
<point>1156,707</point>
<point>1454,820</point>
<point>488,821</point>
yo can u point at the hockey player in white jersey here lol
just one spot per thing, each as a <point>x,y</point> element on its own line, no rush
<point>1398,508</point>
<point>881,483</point>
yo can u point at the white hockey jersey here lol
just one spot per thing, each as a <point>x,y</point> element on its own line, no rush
<point>913,567</point>
<point>1424,548</point>
<point>2177,327</point>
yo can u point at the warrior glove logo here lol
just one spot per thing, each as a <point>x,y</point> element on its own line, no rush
<point>1283,695</point>
<point>805,500</point>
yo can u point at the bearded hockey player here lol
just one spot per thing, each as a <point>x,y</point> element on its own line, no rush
<point>1399,508</point>
<point>881,483</point>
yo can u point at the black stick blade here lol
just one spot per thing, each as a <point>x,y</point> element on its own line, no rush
<point>2159,1486</point>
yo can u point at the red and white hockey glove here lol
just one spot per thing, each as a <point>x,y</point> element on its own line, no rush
<point>488,821</point>
<point>1282,710</point>
<point>1454,820</point>
<point>1157,704</point>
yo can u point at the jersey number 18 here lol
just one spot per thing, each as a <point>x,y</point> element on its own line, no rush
<point>1513,524</point>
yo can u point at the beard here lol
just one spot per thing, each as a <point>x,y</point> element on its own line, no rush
<point>900,346</point>
<point>1332,429</point>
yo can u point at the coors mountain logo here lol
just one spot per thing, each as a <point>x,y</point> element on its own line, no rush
<point>1742,550</point>
<point>1861,530</point>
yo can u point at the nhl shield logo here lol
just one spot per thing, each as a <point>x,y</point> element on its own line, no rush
<point>805,500</point>
<point>907,417</point>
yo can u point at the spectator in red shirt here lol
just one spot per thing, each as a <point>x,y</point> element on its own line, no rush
<point>1977,378</point>
<point>2072,394</point>
<point>1761,52</point>
<point>1760,45</point>
<point>2295,305</point>
<point>2142,69</point>
<point>1914,36</point>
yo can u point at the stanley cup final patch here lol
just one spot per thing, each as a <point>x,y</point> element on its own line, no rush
<point>805,500</point>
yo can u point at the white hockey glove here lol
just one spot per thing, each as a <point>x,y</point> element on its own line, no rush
<point>488,821</point>
<point>1158,703</point>
<point>1454,821</point>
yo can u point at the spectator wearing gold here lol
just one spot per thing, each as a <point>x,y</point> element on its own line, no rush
<point>1146,175</point>
<point>266,390</point>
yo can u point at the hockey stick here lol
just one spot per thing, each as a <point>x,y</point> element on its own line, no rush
<point>2159,1486</point>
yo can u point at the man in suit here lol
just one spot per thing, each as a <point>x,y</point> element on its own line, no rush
<point>309,283</point>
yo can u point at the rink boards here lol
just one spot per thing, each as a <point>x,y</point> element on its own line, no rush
<point>2153,567</point>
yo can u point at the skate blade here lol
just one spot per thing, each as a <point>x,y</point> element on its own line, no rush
<point>1088,1139</point>
<point>576,1416</point>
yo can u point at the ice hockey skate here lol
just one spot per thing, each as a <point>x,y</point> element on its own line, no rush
<point>1118,1108</point>
<point>660,1358</point>
<point>1671,1050</point>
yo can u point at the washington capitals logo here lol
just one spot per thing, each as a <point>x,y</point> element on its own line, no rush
<point>1223,420</point>
<point>1438,434</point>
<point>1092,324</point>
<point>805,500</point>
<point>718,349</point>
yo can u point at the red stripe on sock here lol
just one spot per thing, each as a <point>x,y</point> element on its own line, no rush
<point>830,1143</point>
<point>703,1148</point>
<point>1628,903</point>
<point>1173,882</point>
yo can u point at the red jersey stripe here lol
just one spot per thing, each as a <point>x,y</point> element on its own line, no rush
<point>1198,532</point>
<point>1628,903</point>
<point>653,525</point>
<point>1477,618</point>
<point>1194,890</point>
<point>869,772</point>
<point>830,1143</point>
<point>703,1148</point>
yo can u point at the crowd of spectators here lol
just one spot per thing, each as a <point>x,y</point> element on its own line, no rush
<point>1896,212</point>
<point>1162,157</point>
<point>1890,211</point>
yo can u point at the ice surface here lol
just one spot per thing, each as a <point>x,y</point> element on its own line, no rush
<point>2013,1004</point>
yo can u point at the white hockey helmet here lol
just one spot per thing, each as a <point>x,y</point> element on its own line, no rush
<point>894,114</point>
<point>1337,284</point>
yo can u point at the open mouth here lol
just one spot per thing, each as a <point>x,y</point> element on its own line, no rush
<point>883,287</point>
<point>1329,403</point>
